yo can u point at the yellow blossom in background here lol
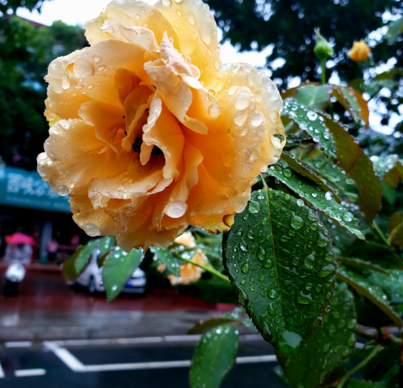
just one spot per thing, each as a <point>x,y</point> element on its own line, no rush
<point>149,132</point>
<point>189,273</point>
<point>359,52</point>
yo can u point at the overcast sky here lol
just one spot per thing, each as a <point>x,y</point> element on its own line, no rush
<point>79,11</point>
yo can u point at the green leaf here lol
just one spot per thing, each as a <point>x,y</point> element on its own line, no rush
<point>327,347</point>
<point>85,256</point>
<point>280,261</point>
<point>358,167</point>
<point>279,372</point>
<point>352,101</point>
<point>199,327</point>
<point>106,244</point>
<point>215,355</point>
<point>370,315</point>
<point>240,314</point>
<point>370,291</point>
<point>167,257</point>
<point>395,29</point>
<point>372,88</point>
<point>333,173</point>
<point>392,284</point>
<point>317,198</point>
<point>69,267</point>
<point>389,193</point>
<point>301,169</point>
<point>363,264</point>
<point>312,125</point>
<point>382,363</point>
<point>118,268</point>
<point>294,141</point>
<point>313,96</point>
<point>389,169</point>
<point>379,254</point>
<point>355,383</point>
<point>395,229</point>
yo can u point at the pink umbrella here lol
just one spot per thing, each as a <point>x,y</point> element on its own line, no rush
<point>20,238</point>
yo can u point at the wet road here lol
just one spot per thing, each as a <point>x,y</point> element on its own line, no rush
<point>136,362</point>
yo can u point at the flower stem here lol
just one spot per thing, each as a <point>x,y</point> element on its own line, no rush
<point>378,229</point>
<point>323,64</point>
<point>359,366</point>
<point>208,269</point>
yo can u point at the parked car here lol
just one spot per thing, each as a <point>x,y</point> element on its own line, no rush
<point>91,278</point>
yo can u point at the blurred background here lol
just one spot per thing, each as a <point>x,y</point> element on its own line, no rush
<point>50,332</point>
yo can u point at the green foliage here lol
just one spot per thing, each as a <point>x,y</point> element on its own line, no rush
<point>374,293</point>
<point>167,257</point>
<point>214,356</point>
<point>327,347</point>
<point>201,326</point>
<point>314,96</point>
<point>317,198</point>
<point>117,270</point>
<point>26,49</point>
<point>279,259</point>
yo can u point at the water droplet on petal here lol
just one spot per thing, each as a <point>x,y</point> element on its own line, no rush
<point>176,209</point>
<point>92,230</point>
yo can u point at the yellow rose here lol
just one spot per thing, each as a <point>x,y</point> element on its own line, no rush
<point>149,133</point>
<point>359,52</point>
<point>189,273</point>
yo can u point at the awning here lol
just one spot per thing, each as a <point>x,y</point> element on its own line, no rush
<point>26,189</point>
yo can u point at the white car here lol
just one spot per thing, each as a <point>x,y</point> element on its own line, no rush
<point>91,278</point>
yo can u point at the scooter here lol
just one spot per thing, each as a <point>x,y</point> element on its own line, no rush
<point>15,274</point>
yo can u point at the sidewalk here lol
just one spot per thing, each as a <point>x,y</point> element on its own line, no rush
<point>47,309</point>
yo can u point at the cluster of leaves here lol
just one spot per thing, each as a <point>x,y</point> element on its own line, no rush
<point>26,49</point>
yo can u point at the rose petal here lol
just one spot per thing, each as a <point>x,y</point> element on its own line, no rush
<point>268,102</point>
<point>197,31</point>
<point>175,94</point>
<point>130,13</point>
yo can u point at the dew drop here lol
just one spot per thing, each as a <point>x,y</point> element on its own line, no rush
<point>254,206</point>
<point>63,191</point>
<point>300,202</point>
<point>65,83</point>
<point>245,268</point>
<point>257,121</point>
<point>297,222</point>
<point>304,298</point>
<point>348,217</point>
<point>262,254</point>
<point>272,293</point>
<point>176,209</point>
<point>326,271</point>
<point>92,230</point>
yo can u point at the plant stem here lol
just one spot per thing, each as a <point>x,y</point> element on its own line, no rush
<point>323,64</point>
<point>378,229</point>
<point>208,269</point>
<point>359,366</point>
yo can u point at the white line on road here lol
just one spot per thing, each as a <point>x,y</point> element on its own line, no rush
<point>77,366</point>
<point>145,340</point>
<point>19,344</point>
<point>256,359</point>
<point>2,375</point>
<point>30,372</point>
<point>72,362</point>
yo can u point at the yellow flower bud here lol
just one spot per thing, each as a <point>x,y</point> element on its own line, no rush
<point>359,52</point>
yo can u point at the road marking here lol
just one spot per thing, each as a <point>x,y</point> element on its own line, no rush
<point>2,375</point>
<point>77,366</point>
<point>30,372</point>
<point>137,366</point>
<point>64,355</point>
<point>256,359</point>
<point>145,340</point>
<point>20,344</point>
